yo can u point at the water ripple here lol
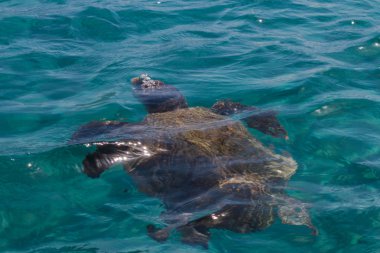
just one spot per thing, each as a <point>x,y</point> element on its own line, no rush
<point>65,63</point>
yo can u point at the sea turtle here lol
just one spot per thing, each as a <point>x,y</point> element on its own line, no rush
<point>205,166</point>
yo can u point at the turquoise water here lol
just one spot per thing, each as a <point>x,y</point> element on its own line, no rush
<point>64,63</point>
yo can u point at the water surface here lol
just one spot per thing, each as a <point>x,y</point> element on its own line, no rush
<point>65,63</point>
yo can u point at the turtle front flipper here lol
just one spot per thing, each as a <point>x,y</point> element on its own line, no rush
<point>264,121</point>
<point>294,212</point>
<point>92,131</point>
<point>108,154</point>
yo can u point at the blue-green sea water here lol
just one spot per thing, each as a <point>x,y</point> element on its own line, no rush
<point>64,63</point>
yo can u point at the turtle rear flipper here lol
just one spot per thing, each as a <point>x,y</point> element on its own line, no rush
<point>264,121</point>
<point>238,218</point>
<point>192,235</point>
<point>195,235</point>
<point>294,212</point>
<point>160,235</point>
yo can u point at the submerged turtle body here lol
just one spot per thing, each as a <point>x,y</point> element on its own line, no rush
<point>207,152</point>
<point>208,146</point>
<point>208,170</point>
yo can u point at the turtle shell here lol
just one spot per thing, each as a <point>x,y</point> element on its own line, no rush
<point>211,160</point>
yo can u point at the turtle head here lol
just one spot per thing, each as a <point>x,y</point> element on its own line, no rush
<point>156,95</point>
<point>144,82</point>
